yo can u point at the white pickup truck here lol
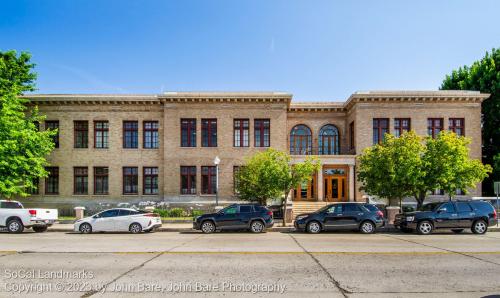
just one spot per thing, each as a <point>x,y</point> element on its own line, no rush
<point>15,218</point>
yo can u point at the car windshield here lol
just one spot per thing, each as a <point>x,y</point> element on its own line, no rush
<point>324,208</point>
<point>430,206</point>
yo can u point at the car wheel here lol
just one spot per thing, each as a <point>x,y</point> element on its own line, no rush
<point>15,226</point>
<point>208,227</point>
<point>367,227</point>
<point>40,229</point>
<point>479,227</point>
<point>85,228</point>
<point>457,231</point>
<point>424,227</point>
<point>313,227</point>
<point>135,228</point>
<point>257,226</point>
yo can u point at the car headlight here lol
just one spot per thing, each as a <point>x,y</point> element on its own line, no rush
<point>301,217</point>
<point>410,218</point>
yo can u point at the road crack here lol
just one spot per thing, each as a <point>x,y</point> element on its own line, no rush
<point>91,293</point>
<point>343,291</point>
<point>443,249</point>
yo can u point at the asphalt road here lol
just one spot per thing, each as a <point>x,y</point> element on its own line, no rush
<point>228,264</point>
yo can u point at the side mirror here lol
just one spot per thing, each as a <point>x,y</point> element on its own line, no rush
<point>96,216</point>
<point>441,210</point>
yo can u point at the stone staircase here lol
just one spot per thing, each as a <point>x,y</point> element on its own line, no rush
<point>299,207</point>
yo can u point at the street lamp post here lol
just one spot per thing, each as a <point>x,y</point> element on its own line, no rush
<point>216,163</point>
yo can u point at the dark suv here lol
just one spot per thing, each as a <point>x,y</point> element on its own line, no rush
<point>342,216</point>
<point>457,216</point>
<point>251,217</point>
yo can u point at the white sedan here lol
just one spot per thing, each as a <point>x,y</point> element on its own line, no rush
<point>119,220</point>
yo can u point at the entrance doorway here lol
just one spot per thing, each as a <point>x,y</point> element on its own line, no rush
<point>335,183</point>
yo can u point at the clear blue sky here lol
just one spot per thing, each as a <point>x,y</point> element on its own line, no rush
<point>317,50</point>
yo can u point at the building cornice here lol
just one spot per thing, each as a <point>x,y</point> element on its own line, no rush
<point>259,97</point>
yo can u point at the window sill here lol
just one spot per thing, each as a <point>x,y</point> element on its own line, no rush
<point>101,194</point>
<point>207,195</point>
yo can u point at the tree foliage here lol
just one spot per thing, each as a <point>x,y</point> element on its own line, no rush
<point>484,76</point>
<point>22,147</point>
<point>414,166</point>
<point>16,73</point>
<point>270,174</point>
<point>393,169</point>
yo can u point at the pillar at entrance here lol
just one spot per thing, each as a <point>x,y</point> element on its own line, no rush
<point>321,196</point>
<point>351,183</point>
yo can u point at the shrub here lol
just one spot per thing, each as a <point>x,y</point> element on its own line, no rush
<point>162,212</point>
<point>196,213</point>
<point>176,212</point>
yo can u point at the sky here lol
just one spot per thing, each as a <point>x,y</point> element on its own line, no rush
<point>316,50</point>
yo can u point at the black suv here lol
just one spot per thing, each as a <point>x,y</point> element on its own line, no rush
<point>342,216</point>
<point>251,217</point>
<point>457,216</point>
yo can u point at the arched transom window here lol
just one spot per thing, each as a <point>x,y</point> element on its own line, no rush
<point>329,140</point>
<point>300,140</point>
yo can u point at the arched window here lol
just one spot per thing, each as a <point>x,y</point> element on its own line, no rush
<point>300,140</point>
<point>329,140</point>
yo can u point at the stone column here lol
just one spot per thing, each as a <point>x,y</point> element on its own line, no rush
<point>319,191</point>
<point>351,183</point>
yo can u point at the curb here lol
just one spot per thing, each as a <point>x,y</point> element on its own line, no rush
<point>274,229</point>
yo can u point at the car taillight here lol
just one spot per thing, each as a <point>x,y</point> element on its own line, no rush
<point>270,213</point>
<point>380,213</point>
<point>494,213</point>
<point>32,212</point>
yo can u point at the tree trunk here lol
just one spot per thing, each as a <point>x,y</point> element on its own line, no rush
<point>284,207</point>
<point>420,200</point>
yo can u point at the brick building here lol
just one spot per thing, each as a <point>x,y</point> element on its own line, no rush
<point>131,148</point>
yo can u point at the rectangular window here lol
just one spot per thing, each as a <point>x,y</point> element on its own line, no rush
<point>188,132</point>
<point>151,134</point>
<point>457,125</point>
<point>101,180</point>
<point>53,124</point>
<point>52,181</point>
<point>35,190</point>
<point>434,126</point>
<point>101,134</point>
<point>188,180</point>
<point>209,132</point>
<point>81,180</point>
<point>150,180</point>
<point>130,134</point>
<point>241,132</point>
<point>236,181</point>
<point>262,132</point>
<point>401,125</point>
<point>380,128</point>
<point>351,135</point>
<point>208,180</point>
<point>81,134</point>
<point>130,180</point>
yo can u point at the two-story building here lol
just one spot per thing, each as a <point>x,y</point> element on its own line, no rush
<point>132,148</point>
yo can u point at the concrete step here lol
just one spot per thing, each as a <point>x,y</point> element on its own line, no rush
<point>299,207</point>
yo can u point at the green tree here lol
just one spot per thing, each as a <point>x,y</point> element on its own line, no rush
<point>16,73</point>
<point>393,169</point>
<point>413,166</point>
<point>22,147</point>
<point>271,175</point>
<point>447,162</point>
<point>484,76</point>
